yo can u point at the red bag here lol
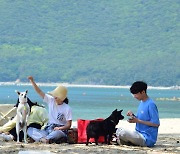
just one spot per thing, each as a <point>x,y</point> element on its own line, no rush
<point>82,137</point>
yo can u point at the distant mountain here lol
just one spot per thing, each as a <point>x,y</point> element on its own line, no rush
<point>90,42</point>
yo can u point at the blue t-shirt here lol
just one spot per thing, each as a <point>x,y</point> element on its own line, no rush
<point>147,111</point>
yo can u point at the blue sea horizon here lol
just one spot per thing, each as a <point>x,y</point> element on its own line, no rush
<point>99,102</point>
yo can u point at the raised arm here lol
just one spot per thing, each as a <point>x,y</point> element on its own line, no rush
<point>37,89</point>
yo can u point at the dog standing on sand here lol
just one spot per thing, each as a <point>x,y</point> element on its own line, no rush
<point>105,128</point>
<point>23,111</point>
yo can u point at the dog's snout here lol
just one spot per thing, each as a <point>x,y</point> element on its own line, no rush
<point>23,95</point>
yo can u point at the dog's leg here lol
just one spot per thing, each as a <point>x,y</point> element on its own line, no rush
<point>25,127</point>
<point>20,120</point>
<point>17,131</point>
<point>105,138</point>
<point>27,115</point>
<point>87,142</point>
<point>96,139</point>
<point>109,139</point>
<point>25,133</point>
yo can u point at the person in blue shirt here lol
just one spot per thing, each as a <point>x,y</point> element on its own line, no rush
<point>146,119</point>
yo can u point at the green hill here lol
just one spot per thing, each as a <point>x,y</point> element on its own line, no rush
<point>90,42</point>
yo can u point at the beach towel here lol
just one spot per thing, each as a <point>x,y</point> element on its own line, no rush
<point>82,137</point>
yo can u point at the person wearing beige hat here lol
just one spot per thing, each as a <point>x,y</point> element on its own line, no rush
<point>60,115</point>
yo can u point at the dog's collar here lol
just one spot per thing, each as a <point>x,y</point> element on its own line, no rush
<point>113,122</point>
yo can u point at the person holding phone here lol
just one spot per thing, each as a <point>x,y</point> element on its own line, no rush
<point>146,119</point>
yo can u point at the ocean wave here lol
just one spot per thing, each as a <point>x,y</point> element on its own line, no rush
<point>83,85</point>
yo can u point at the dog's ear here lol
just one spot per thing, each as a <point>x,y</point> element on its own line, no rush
<point>26,91</point>
<point>115,110</point>
<point>17,92</point>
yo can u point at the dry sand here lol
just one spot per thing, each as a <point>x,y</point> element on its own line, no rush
<point>168,142</point>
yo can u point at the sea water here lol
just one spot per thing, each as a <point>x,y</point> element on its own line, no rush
<point>99,102</point>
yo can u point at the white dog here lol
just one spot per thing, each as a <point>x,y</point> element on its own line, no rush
<point>23,112</point>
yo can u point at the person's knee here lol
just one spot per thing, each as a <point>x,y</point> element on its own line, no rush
<point>56,135</point>
<point>120,132</point>
<point>29,130</point>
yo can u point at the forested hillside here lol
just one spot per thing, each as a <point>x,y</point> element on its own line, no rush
<point>90,41</point>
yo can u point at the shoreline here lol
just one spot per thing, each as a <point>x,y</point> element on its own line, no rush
<point>84,85</point>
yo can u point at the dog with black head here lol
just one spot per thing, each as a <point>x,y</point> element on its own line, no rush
<point>23,111</point>
<point>105,128</point>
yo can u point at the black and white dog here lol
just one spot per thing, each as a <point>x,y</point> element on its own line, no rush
<point>23,111</point>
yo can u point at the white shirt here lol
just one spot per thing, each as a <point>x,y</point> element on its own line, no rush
<point>58,114</point>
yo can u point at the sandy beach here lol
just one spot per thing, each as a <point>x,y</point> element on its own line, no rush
<point>168,142</point>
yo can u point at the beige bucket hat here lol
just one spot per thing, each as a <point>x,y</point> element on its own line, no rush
<point>60,92</point>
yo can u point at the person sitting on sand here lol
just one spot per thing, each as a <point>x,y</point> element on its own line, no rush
<point>60,115</point>
<point>37,119</point>
<point>147,119</point>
